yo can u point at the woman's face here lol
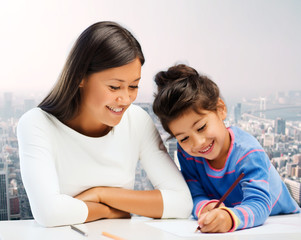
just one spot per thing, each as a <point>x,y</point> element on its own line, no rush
<point>106,95</point>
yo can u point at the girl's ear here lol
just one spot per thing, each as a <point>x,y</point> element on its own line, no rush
<point>221,109</point>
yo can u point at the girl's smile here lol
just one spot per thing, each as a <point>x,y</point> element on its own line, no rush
<point>207,149</point>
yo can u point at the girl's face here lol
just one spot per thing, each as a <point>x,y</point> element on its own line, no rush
<point>203,135</point>
<point>106,95</point>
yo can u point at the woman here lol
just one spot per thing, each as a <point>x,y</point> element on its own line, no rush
<point>80,147</point>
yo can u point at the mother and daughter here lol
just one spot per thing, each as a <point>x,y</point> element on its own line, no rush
<point>79,148</point>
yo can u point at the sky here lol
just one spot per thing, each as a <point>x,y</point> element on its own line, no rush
<point>250,48</point>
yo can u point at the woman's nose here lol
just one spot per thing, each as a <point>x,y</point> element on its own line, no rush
<point>124,98</point>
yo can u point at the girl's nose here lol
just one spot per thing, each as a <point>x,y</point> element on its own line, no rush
<point>197,142</point>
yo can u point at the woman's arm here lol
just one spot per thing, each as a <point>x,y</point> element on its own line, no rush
<point>145,203</point>
<point>39,174</point>
<point>98,211</point>
<point>161,170</point>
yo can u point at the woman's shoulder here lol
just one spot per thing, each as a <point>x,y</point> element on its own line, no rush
<point>35,116</point>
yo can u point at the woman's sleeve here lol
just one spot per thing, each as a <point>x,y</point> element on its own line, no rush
<point>163,173</point>
<point>39,175</point>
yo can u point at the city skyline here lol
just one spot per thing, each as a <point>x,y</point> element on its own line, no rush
<point>247,47</point>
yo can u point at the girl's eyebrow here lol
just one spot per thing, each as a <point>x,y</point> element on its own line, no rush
<point>180,133</point>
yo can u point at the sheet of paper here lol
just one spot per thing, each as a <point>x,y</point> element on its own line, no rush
<point>186,228</point>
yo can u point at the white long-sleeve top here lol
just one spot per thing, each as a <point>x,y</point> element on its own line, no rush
<point>58,163</point>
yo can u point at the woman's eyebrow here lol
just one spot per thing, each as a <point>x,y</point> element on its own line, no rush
<point>121,80</point>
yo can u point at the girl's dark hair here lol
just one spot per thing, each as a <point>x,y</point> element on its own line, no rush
<point>101,46</point>
<point>181,88</point>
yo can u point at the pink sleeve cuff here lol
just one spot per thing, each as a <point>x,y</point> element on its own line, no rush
<point>204,205</point>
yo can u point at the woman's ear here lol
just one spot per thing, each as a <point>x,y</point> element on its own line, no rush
<point>82,83</point>
<point>221,109</point>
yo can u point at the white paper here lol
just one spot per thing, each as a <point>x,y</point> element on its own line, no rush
<point>187,227</point>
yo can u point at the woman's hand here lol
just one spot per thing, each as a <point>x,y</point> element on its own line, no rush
<point>215,221</point>
<point>98,211</point>
<point>90,195</point>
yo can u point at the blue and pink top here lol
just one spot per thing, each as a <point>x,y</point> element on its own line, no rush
<point>259,194</point>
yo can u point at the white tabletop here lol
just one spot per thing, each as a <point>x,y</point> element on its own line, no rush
<point>277,227</point>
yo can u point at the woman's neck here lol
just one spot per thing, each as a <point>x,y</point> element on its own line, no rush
<point>88,128</point>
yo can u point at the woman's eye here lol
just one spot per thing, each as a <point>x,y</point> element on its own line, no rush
<point>202,128</point>
<point>184,139</point>
<point>114,88</point>
<point>134,87</point>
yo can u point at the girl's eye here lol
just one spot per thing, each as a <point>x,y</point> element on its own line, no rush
<point>184,139</point>
<point>134,87</point>
<point>202,128</point>
<point>114,88</point>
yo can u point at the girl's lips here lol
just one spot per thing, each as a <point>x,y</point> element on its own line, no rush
<point>208,149</point>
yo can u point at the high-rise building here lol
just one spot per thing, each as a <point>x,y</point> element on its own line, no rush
<point>262,107</point>
<point>4,201</point>
<point>237,112</point>
<point>8,106</point>
<point>172,147</point>
<point>280,126</point>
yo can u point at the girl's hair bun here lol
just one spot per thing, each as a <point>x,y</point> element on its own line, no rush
<point>175,73</point>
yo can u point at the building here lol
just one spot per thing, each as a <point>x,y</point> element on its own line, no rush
<point>8,106</point>
<point>280,126</point>
<point>295,189</point>
<point>4,201</point>
<point>237,112</point>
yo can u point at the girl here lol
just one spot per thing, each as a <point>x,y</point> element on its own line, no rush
<point>212,156</point>
<point>79,148</point>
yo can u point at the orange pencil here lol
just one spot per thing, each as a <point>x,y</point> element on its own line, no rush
<point>112,236</point>
<point>226,194</point>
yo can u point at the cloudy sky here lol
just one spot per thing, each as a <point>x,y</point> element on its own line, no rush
<point>248,47</point>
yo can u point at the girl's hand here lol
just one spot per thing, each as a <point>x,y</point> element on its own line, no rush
<point>211,206</point>
<point>215,221</point>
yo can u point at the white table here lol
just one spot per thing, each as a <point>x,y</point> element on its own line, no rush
<point>277,227</point>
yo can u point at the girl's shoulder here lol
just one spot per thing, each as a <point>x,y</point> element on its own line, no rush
<point>243,139</point>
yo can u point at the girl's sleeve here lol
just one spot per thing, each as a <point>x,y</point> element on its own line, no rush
<point>162,171</point>
<point>39,175</point>
<point>256,204</point>
<point>188,169</point>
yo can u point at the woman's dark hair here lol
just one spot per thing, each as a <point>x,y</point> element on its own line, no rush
<point>182,88</point>
<point>101,46</point>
